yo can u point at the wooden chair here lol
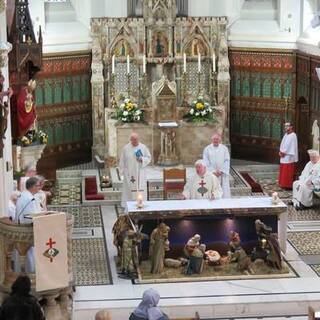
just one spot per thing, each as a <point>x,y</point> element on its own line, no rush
<point>173,181</point>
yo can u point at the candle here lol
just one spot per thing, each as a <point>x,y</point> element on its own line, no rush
<point>213,62</point>
<point>184,63</point>
<point>128,64</point>
<point>199,62</point>
<point>23,38</point>
<point>144,65</point>
<point>113,64</point>
<point>139,201</point>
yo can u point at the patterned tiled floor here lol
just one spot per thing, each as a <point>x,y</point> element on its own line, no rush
<point>90,263</point>
<point>84,217</point>
<point>305,242</point>
<point>66,194</point>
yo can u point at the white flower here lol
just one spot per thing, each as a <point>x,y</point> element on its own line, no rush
<point>126,100</point>
<point>194,102</point>
<point>204,112</point>
<point>197,114</point>
<point>125,113</point>
<point>191,111</point>
<point>200,98</point>
<point>122,105</point>
<point>138,112</point>
<point>137,118</point>
<point>124,119</point>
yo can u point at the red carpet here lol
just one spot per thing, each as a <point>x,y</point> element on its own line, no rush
<point>255,186</point>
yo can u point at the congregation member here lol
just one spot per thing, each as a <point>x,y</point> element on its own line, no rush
<point>288,157</point>
<point>147,309</point>
<point>202,185</point>
<point>309,181</point>
<point>217,159</point>
<point>134,159</point>
<point>12,205</point>
<point>21,304</point>
<point>30,171</point>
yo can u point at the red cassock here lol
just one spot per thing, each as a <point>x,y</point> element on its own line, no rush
<point>286,175</point>
<point>26,112</point>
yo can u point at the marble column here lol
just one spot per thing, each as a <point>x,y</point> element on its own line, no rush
<point>6,173</point>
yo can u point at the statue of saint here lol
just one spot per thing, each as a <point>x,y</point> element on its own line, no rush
<point>315,135</point>
<point>159,244</point>
<point>26,111</point>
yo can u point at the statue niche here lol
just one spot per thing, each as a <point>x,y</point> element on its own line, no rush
<point>122,49</point>
<point>196,46</point>
<point>160,45</point>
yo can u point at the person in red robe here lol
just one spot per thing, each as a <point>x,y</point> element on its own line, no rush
<point>288,157</point>
<point>26,111</point>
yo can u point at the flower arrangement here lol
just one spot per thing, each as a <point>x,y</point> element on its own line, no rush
<point>200,111</point>
<point>129,112</point>
<point>33,137</point>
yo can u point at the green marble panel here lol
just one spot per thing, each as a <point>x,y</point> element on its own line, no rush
<point>76,130</point>
<point>76,88</point>
<point>255,124</point>
<point>245,124</point>
<point>39,95</point>
<point>265,125</point>
<point>276,128</point>
<point>67,90</point>
<point>287,90</point>
<point>58,91</point>
<point>68,131</point>
<point>277,88</point>
<point>59,135</point>
<point>85,88</point>
<point>266,91</point>
<point>238,86</point>
<point>245,87</point>
<point>48,92</point>
<point>256,87</point>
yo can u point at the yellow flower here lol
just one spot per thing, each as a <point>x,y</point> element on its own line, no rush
<point>199,106</point>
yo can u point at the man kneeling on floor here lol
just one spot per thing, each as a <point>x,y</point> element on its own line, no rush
<point>309,181</point>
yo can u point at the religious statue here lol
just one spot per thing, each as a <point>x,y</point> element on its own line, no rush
<point>268,247</point>
<point>195,253</point>
<point>237,253</point>
<point>129,257</point>
<point>315,136</point>
<point>197,48</point>
<point>26,111</point>
<point>159,244</point>
<point>4,111</point>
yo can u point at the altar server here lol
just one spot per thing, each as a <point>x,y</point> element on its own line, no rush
<point>134,158</point>
<point>217,159</point>
<point>203,185</point>
<point>288,157</point>
<point>309,181</point>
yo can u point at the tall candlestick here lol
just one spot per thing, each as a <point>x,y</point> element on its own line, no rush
<point>113,64</point>
<point>199,62</point>
<point>144,64</point>
<point>128,64</point>
<point>184,63</point>
<point>213,62</point>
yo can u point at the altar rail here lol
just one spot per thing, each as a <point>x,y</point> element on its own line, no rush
<point>13,236</point>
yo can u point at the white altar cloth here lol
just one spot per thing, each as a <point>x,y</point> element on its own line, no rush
<point>181,205</point>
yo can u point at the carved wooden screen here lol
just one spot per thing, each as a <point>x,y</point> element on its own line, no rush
<point>262,98</point>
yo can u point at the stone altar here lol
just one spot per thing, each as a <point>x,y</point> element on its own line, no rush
<point>159,79</point>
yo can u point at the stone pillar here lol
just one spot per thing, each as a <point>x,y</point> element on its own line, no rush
<point>6,173</point>
<point>98,112</point>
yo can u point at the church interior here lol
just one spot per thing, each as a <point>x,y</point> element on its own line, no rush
<point>170,145</point>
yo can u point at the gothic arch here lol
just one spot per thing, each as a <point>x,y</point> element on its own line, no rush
<point>196,35</point>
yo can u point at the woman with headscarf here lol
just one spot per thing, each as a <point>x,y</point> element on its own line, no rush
<point>147,309</point>
<point>21,304</point>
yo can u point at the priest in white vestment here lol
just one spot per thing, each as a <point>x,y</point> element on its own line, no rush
<point>134,158</point>
<point>217,159</point>
<point>309,181</point>
<point>203,185</point>
<point>288,157</point>
<point>27,205</point>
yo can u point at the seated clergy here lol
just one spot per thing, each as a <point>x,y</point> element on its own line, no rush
<point>203,185</point>
<point>309,181</point>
